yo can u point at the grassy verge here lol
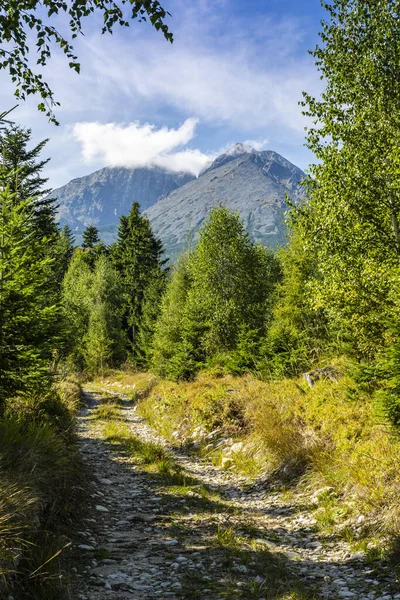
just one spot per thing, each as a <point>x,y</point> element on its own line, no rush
<point>326,441</point>
<point>40,477</point>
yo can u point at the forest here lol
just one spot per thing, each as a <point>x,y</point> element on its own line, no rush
<point>306,336</point>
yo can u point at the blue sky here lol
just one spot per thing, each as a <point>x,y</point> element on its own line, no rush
<point>235,73</point>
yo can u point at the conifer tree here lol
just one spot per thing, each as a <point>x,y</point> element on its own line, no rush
<point>93,246</point>
<point>90,237</point>
<point>137,255</point>
<point>219,301</point>
<point>22,172</point>
<point>29,320</point>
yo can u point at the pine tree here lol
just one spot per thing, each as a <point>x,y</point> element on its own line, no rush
<point>93,246</point>
<point>137,255</point>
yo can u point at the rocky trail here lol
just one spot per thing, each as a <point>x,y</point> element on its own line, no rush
<point>203,535</point>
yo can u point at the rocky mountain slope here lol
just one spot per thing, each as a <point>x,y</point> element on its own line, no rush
<point>253,183</point>
<point>102,197</point>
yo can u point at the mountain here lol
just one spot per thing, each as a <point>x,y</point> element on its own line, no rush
<point>102,197</point>
<point>251,182</point>
<point>246,180</point>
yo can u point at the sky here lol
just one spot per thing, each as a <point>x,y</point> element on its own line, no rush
<point>235,73</point>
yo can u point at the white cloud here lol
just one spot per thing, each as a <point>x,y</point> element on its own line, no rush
<point>241,75</point>
<point>256,144</point>
<point>136,145</point>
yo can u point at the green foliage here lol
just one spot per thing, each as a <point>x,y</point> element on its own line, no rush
<point>352,227</point>
<point>93,246</point>
<point>22,19</point>
<point>40,475</point>
<point>137,256</point>
<point>92,303</point>
<point>29,320</point>
<point>169,355</point>
<point>90,237</point>
<point>218,302</point>
<point>298,332</point>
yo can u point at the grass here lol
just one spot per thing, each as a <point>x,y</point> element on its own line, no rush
<point>135,386</point>
<point>40,491</point>
<point>329,435</point>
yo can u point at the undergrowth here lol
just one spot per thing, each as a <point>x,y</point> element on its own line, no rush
<point>40,476</point>
<point>326,436</point>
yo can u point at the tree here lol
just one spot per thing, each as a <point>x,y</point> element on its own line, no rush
<point>29,319</point>
<point>232,280</point>
<point>218,304</point>
<point>352,227</point>
<point>298,333</point>
<point>138,257</point>
<point>22,171</point>
<point>92,301</point>
<point>90,237</point>
<point>64,251</point>
<point>104,341</point>
<point>20,19</point>
<point>169,358</point>
<point>92,245</point>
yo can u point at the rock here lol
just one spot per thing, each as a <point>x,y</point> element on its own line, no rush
<point>361,519</point>
<point>292,555</point>
<point>173,542</point>
<point>109,561</point>
<point>237,447</point>
<point>100,508</point>
<point>240,568</point>
<point>104,481</point>
<point>86,547</point>
<point>266,543</point>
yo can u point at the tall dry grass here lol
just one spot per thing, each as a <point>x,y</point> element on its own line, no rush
<point>330,435</point>
<point>40,473</point>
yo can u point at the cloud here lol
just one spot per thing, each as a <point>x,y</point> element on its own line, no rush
<point>256,144</point>
<point>136,145</point>
<point>239,72</point>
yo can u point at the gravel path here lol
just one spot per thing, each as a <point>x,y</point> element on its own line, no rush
<point>148,539</point>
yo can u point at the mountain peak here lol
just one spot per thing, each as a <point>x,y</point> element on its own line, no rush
<point>238,149</point>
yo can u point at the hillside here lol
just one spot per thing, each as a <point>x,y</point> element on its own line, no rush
<point>253,183</point>
<point>102,197</point>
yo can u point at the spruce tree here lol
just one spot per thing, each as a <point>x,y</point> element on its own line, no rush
<point>138,257</point>
<point>22,172</point>
<point>29,319</point>
<point>90,237</point>
<point>93,246</point>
